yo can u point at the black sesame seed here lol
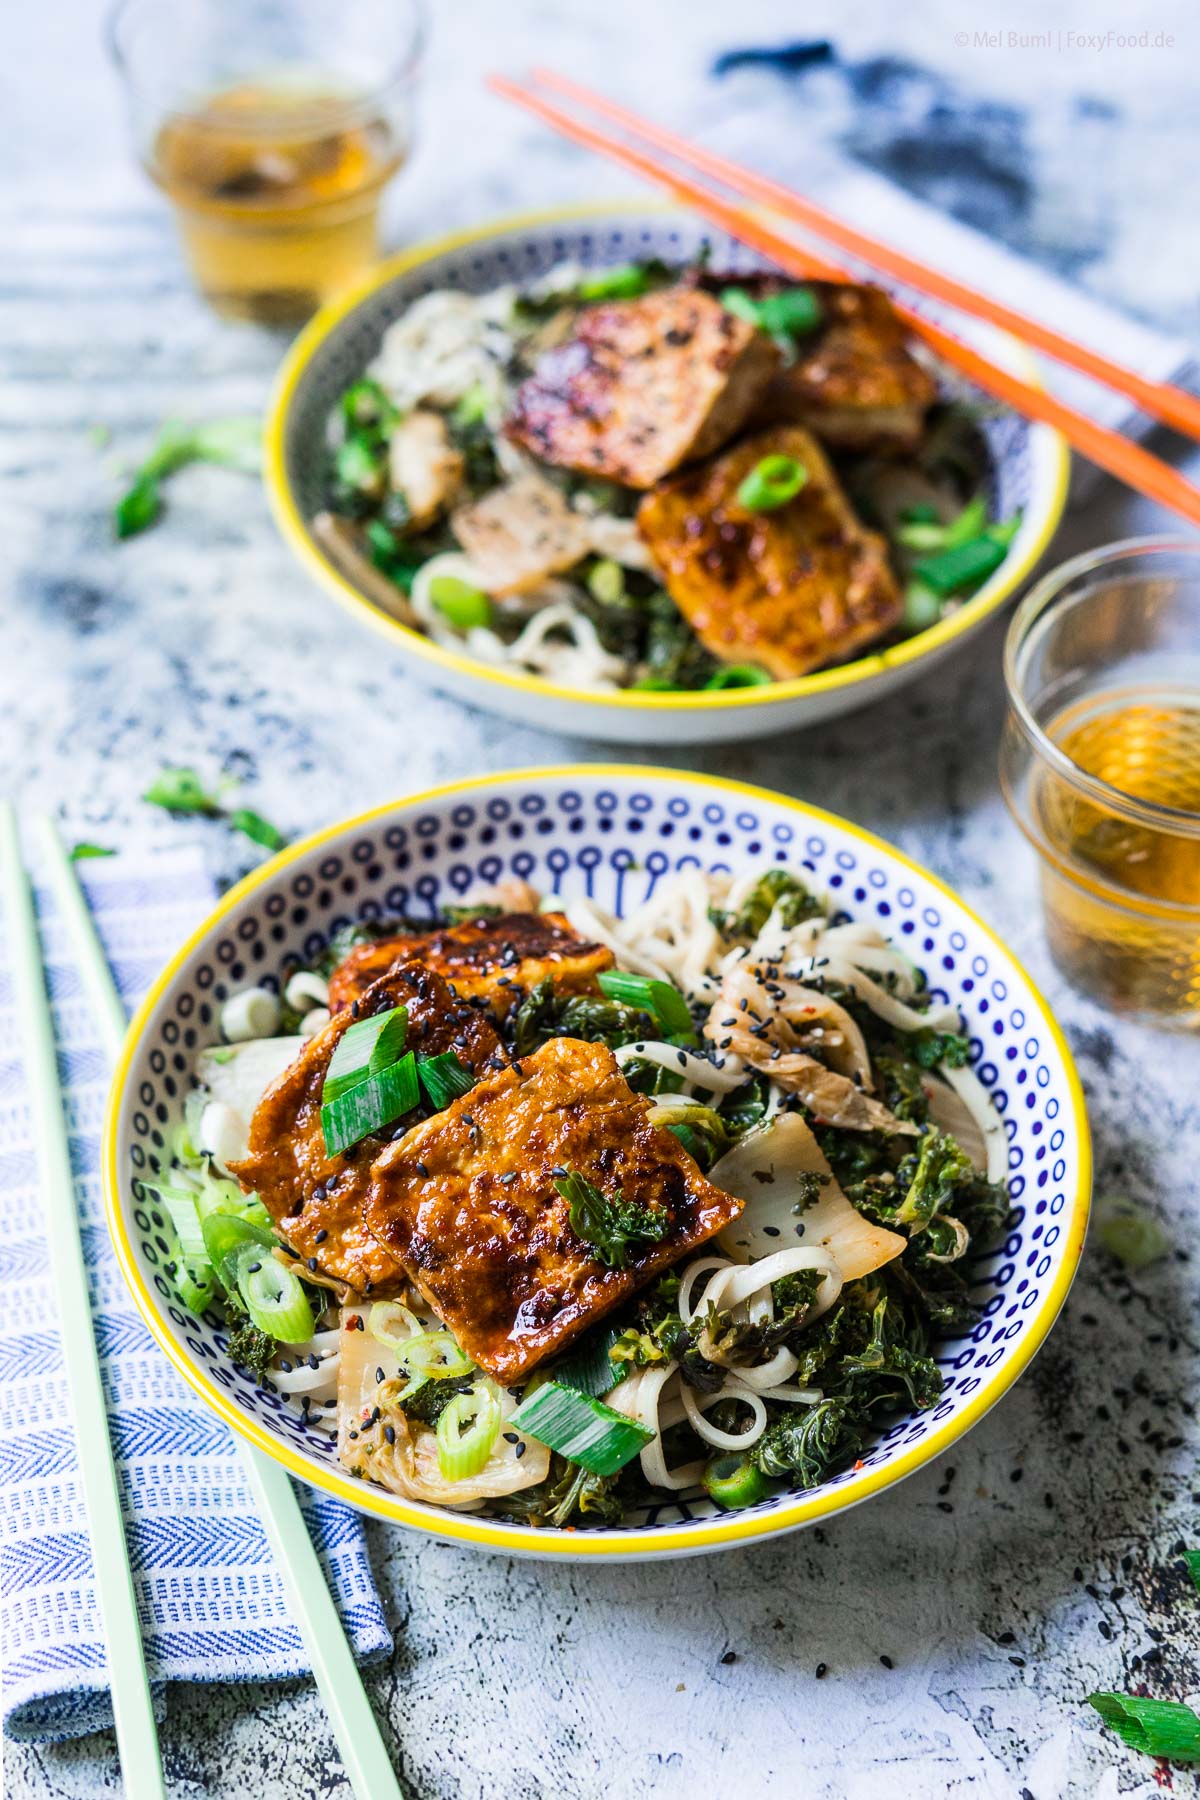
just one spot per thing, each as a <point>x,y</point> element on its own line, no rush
<point>520,1450</point>
<point>285,1365</point>
<point>313,1264</point>
<point>389,1432</point>
<point>887,1662</point>
<point>422,1171</point>
<point>730,1656</point>
<point>822,1670</point>
<point>321,1236</point>
<point>379,1374</point>
<point>314,1361</point>
<point>510,1437</point>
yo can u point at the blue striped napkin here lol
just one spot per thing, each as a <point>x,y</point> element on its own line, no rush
<point>211,1600</point>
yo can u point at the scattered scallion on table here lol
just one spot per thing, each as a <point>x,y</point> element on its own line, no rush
<point>1163,1728</point>
<point>228,443</point>
<point>181,791</point>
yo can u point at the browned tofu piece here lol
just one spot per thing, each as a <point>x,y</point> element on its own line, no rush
<point>467,1202</point>
<point>500,957</point>
<point>790,590</point>
<point>521,533</point>
<point>317,1200</point>
<point>643,386</point>
<point>855,383</point>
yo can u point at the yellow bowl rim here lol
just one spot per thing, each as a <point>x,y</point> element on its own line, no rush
<point>1002,585</point>
<point>495,1534</point>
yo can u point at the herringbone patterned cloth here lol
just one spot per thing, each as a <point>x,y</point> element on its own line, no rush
<point>211,1600</point>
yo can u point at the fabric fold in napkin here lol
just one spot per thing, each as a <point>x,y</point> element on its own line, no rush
<point>211,1599</point>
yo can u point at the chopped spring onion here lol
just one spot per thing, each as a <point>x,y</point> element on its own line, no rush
<point>627,281</point>
<point>734,1481</point>
<point>371,1105</point>
<point>254,1013</point>
<point>771,483</point>
<point>1159,1727</point>
<point>435,1355</point>
<point>1131,1234</point>
<point>1192,1559</point>
<point>606,582</point>
<point>737,675</point>
<point>923,513</point>
<point>273,1296</point>
<point>443,1078</point>
<point>188,1265</point>
<point>921,534</point>
<point>181,791</point>
<point>965,566</point>
<point>357,465</point>
<point>581,1427</point>
<point>460,604</point>
<point>658,997</point>
<point>226,1235</point>
<point>922,607</point>
<point>792,313</point>
<point>367,1048</point>
<point>384,1318</point>
<point>82,852</point>
<point>472,408</point>
<point>467,1431</point>
<point>589,1369</point>
<point>188,1229</point>
<point>257,829</point>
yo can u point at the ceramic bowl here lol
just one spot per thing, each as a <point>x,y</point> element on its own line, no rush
<point>612,832</point>
<point>1029,463</point>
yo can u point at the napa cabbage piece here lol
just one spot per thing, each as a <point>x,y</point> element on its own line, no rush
<point>238,1075</point>
<point>408,1466</point>
<point>779,1171</point>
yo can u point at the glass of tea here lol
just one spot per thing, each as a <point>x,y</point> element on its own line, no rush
<point>1100,765</point>
<point>273,127</point>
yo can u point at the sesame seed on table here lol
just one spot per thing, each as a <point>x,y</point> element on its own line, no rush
<point>942,1638</point>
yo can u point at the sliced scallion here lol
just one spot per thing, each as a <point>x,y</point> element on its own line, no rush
<point>1157,1727</point>
<point>367,1048</point>
<point>226,1235</point>
<point>460,604</point>
<point>922,607</point>
<point>658,997</point>
<point>374,1103</point>
<point>581,1427</point>
<point>734,1481</point>
<point>435,1355</point>
<point>606,582</point>
<point>443,1078</point>
<point>392,1324</point>
<point>589,1369</point>
<point>965,566</point>
<point>790,314</point>
<point>771,483</point>
<point>920,534</point>
<point>467,1431</point>
<point>737,675</point>
<point>274,1297</point>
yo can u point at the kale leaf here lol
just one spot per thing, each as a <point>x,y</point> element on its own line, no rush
<point>545,1013</point>
<point>609,1223</point>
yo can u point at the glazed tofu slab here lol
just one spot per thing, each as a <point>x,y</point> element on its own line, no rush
<point>467,1203</point>
<point>317,1200</point>
<point>643,386</point>
<point>497,957</point>
<point>855,383</point>
<point>791,589</point>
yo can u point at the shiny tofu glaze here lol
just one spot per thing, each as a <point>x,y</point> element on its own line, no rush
<point>466,1202</point>
<point>644,385</point>
<point>789,590</point>
<point>855,382</point>
<point>497,957</point>
<point>317,1200</point>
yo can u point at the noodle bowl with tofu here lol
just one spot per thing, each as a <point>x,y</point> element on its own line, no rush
<point>552,1213</point>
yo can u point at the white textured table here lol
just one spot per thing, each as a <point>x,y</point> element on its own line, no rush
<point>1035,1562</point>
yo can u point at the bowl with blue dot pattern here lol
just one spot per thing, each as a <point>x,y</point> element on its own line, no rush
<point>611,834</point>
<point>1028,469</point>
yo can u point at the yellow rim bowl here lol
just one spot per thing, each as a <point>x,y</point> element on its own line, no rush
<point>1048,450</point>
<point>789,1512</point>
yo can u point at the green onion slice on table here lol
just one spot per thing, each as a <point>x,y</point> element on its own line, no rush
<point>1157,1727</point>
<point>771,483</point>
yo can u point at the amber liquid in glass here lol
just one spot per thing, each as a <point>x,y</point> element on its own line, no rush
<point>277,190</point>
<point>1142,953</point>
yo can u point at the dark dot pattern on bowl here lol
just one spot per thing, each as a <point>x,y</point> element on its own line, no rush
<point>375,870</point>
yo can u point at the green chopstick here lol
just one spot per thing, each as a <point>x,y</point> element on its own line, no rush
<point>363,1752</point>
<point>133,1709</point>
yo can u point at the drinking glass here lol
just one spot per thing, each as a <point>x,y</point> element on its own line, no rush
<point>273,127</point>
<point>1100,765</point>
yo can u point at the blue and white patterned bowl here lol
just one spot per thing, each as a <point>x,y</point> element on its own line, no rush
<point>1030,469</point>
<point>612,833</point>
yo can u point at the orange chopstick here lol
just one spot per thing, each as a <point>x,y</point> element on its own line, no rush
<point>1128,462</point>
<point>1172,405</point>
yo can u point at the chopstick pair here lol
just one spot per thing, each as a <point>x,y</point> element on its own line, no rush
<point>360,1743</point>
<point>1128,462</point>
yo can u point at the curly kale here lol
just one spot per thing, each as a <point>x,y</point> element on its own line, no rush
<point>609,1224</point>
<point>808,1442</point>
<point>674,656</point>
<point>545,1013</point>
<point>428,1402</point>
<point>777,888</point>
<point>940,1167</point>
<point>249,1347</point>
